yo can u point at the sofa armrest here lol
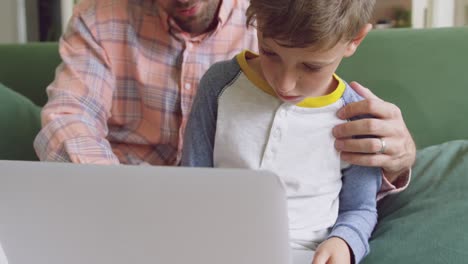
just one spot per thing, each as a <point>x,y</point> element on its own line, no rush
<point>19,124</point>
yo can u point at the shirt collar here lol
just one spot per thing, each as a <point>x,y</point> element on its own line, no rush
<point>225,11</point>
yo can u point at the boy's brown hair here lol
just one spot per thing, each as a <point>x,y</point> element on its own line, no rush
<point>302,23</point>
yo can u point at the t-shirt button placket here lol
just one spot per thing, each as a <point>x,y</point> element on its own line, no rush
<point>277,133</point>
<point>283,113</point>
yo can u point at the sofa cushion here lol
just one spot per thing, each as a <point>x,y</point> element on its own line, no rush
<point>427,222</point>
<point>20,122</point>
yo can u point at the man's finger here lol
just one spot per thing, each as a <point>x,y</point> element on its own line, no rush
<point>369,126</point>
<point>363,91</point>
<point>376,108</point>
<point>320,258</point>
<point>364,145</point>
<point>369,160</point>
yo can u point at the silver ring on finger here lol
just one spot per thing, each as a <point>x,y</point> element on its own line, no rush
<point>383,146</point>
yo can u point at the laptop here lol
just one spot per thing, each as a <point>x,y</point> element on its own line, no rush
<point>55,213</point>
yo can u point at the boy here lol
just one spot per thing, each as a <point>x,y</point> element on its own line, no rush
<point>275,111</point>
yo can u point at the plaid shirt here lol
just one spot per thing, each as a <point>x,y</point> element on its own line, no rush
<point>129,74</point>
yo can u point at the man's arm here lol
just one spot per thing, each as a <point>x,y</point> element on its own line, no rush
<point>357,215</point>
<point>387,124</point>
<point>75,117</point>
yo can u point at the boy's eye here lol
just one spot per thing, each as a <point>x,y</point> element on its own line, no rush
<point>266,52</point>
<point>311,68</point>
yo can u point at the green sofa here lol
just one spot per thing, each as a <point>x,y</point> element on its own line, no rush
<point>422,71</point>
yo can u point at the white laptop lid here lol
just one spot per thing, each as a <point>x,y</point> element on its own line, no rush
<point>53,213</point>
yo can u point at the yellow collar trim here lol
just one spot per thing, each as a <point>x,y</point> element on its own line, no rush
<point>310,102</point>
<point>252,75</point>
<point>328,99</point>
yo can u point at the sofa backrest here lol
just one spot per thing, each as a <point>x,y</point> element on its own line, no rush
<point>19,123</point>
<point>424,72</point>
<point>29,68</point>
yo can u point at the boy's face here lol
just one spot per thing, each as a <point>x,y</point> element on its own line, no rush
<point>297,73</point>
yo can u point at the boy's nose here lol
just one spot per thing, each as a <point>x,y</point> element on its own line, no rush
<point>285,84</point>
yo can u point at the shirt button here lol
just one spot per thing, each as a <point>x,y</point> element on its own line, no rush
<point>187,86</point>
<point>189,46</point>
<point>277,133</point>
<point>283,113</point>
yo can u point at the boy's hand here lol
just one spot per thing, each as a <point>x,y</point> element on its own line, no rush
<point>332,251</point>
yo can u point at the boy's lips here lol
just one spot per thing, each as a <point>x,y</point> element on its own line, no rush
<point>289,98</point>
<point>187,12</point>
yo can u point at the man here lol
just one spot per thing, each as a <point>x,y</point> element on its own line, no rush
<point>130,72</point>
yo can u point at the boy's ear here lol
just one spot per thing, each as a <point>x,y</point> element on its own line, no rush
<point>354,44</point>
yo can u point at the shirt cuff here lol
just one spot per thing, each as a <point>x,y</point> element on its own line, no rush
<point>355,242</point>
<point>399,185</point>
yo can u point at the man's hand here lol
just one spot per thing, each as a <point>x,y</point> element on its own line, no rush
<point>388,125</point>
<point>332,251</point>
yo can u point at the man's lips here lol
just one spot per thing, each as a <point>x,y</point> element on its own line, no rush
<point>188,11</point>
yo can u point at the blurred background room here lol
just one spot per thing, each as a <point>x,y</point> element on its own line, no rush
<point>44,20</point>
<point>33,20</point>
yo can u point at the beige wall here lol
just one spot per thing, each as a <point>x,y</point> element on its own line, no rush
<point>443,13</point>
<point>11,29</point>
<point>32,17</point>
<point>67,11</point>
<point>461,12</point>
<point>8,21</point>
